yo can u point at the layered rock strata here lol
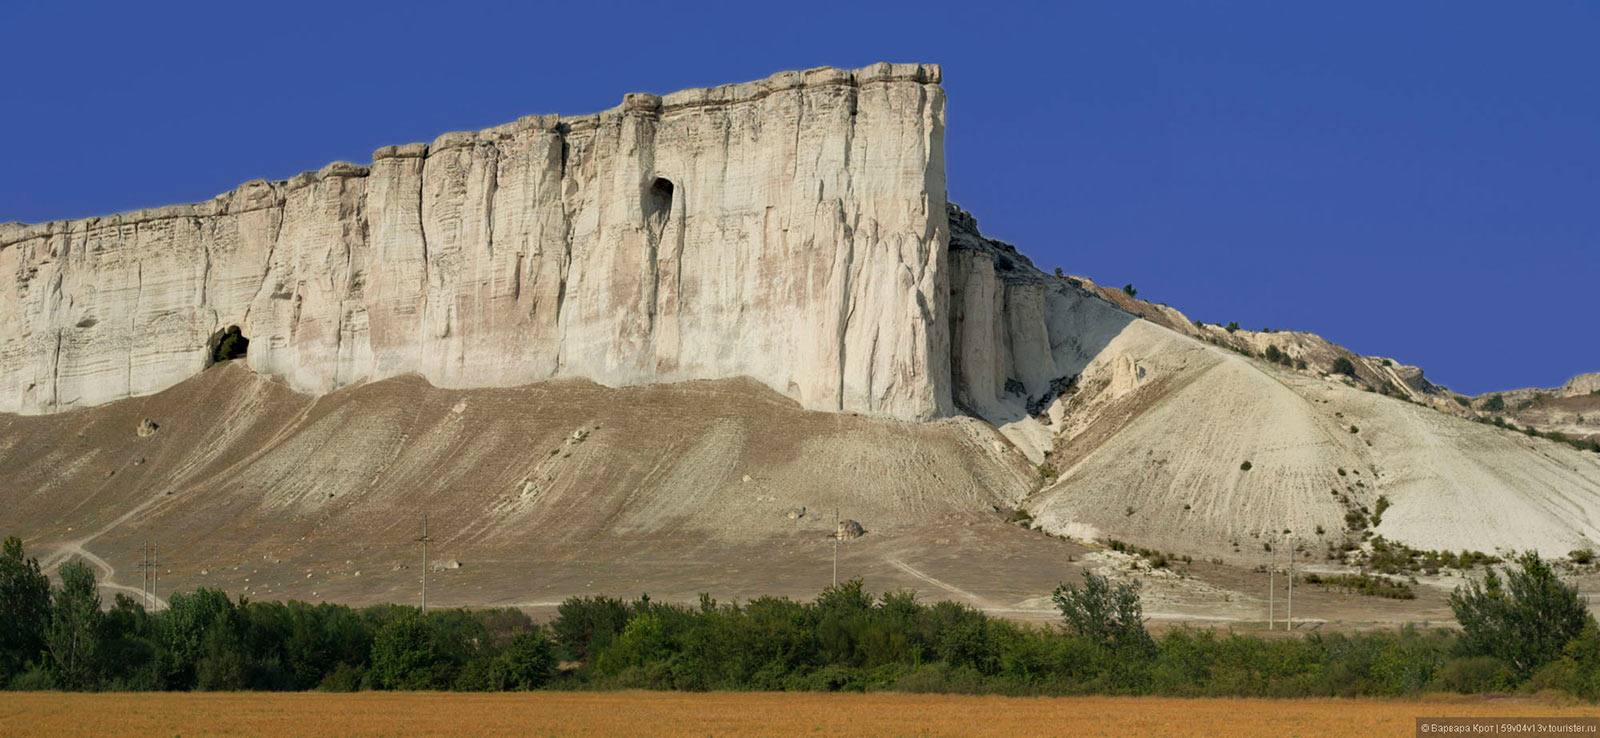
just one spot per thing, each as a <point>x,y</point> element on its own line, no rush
<point>792,230</point>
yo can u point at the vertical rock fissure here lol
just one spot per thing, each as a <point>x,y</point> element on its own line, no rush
<point>847,307</point>
<point>422,222</point>
<point>566,252</point>
<point>799,125</point>
<point>492,163</point>
<point>516,279</point>
<point>852,102</point>
<point>872,362</point>
<point>55,373</point>
<point>849,238</point>
<point>205,267</point>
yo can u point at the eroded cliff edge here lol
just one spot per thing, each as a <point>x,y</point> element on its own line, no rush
<point>792,230</point>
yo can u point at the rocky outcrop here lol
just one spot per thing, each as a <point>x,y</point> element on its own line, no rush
<point>792,230</point>
<point>1018,337</point>
<point>1583,384</point>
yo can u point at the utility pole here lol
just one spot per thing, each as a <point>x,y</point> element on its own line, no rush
<point>155,580</point>
<point>144,576</point>
<point>836,547</point>
<point>424,541</point>
<point>1272,589</point>
<point>1288,623</point>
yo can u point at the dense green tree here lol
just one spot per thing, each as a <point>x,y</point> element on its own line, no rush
<point>1523,616</point>
<point>458,637</point>
<point>305,642</point>
<point>526,663</point>
<point>1110,616</point>
<point>646,640</point>
<point>127,647</point>
<point>842,614</point>
<point>1577,671</point>
<point>403,654</point>
<point>182,629</point>
<point>221,665</point>
<point>584,626</point>
<point>958,635</point>
<point>24,609</point>
<point>73,638</point>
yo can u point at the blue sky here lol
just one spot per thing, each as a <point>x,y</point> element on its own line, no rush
<point>1416,180</point>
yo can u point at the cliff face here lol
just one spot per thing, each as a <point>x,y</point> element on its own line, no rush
<point>791,230</point>
<point>1018,336</point>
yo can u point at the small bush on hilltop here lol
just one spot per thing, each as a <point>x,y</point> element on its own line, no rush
<point>1277,356</point>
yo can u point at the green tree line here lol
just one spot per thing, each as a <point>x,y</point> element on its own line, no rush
<point>1521,629</point>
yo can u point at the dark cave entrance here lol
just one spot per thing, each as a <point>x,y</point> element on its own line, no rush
<point>228,344</point>
<point>658,205</point>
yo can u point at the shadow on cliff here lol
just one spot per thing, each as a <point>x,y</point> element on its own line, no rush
<point>1078,327</point>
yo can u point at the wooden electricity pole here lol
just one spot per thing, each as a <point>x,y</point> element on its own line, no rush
<point>155,581</point>
<point>1288,623</point>
<point>424,541</point>
<point>1272,590</point>
<point>144,577</point>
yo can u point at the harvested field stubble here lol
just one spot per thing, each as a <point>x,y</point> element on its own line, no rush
<point>750,714</point>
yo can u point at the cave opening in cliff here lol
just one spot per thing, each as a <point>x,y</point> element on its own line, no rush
<point>228,344</point>
<point>658,205</point>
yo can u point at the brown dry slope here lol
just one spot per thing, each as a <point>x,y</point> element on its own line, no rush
<point>567,488</point>
<point>539,492</point>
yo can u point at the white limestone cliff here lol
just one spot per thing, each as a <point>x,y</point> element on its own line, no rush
<point>792,230</point>
<point>1019,338</point>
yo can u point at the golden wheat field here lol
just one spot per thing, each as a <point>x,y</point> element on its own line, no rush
<point>409,715</point>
